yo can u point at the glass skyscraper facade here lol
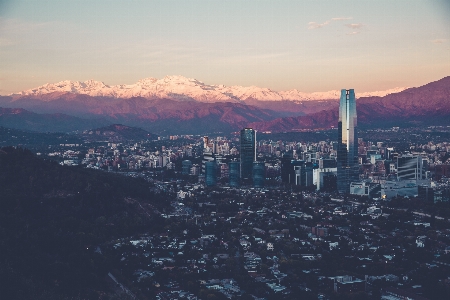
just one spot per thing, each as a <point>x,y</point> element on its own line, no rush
<point>347,152</point>
<point>186,167</point>
<point>211,173</point>
<point>234,173</point>
<point>247,152</point>
<point>259,174</point>
<point>410,167</point>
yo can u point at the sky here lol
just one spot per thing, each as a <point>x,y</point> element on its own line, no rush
<point>308,45</point>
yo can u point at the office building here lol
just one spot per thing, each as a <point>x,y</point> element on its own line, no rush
<point>411,167</point>
<point>186,167</point>
<point>234,173</point>
<point>223,170</point>
<point>325,179</point>
<point>258,174</point>
<point>247,152</point>
<point>211,173</point>
<point>347,152</point>
<point>205,141</point>
<point>364,188</point>
<point>286,168</point>
<point>326,163</point>
<point>302,173</point>
<point>402,188</point>
<point>207,157</point>
<point>195,169</point>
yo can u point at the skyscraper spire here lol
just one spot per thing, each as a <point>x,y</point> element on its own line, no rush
<point>347,154</point>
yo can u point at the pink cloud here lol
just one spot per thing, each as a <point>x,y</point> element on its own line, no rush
<point>315,25</point>
<point>354,25</point>
<point>438,41</point>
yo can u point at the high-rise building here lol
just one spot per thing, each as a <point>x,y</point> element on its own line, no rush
<point>411,167</point>
<point>347,152</point>
<point>205,141</point>
<point>223,170</point>
<point>211,173</point>
<point>326,163</point>
<point>259,174</point>
<point>247,152</point>
<point>186,167</point>
<point>286,168</point>
<point>207,156</point>
<point>302,173</point>
<point>234,173</point>
<point>195,169</point>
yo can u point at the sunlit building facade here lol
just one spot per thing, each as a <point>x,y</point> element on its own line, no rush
<point>347,153</point>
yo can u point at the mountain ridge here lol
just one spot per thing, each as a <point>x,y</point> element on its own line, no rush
<point>181,88</point>
<point>427,104</point>
<point>23,119</point>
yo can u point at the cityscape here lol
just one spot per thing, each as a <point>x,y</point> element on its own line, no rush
<point>246,216</point>
<point>313,161</point>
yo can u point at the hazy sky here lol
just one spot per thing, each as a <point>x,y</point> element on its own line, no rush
<point>316,45</point>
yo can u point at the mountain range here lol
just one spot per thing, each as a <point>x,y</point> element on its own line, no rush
<point>425,105</point>
<point>23,119</point>
<point>180,88</point>
<point>176,104</point>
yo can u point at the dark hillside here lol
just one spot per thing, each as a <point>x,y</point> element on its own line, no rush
<point>51,219</point>
<point>119,132</point>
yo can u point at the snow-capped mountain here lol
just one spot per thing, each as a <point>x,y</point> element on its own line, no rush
<point>53,107</point>
<point>184,89</point>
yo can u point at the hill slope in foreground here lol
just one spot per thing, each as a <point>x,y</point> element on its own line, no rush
<point>51,218</point>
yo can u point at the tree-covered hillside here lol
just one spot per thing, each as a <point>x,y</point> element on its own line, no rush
<point>51,219</point>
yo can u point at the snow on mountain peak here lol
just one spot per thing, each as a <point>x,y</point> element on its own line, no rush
<point>147,81</point>
<point>181,88</point>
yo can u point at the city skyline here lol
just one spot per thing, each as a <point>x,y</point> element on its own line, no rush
<point>280,45</point>
<point>240,149</point>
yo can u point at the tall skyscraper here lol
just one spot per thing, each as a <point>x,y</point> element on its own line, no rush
<point>347,152</point>
<point>286,168</point>
<point>211,173</point>
<point>234,173</point>
<point>259,174</point>
<point>247,152</point>
<point>186,167</point>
